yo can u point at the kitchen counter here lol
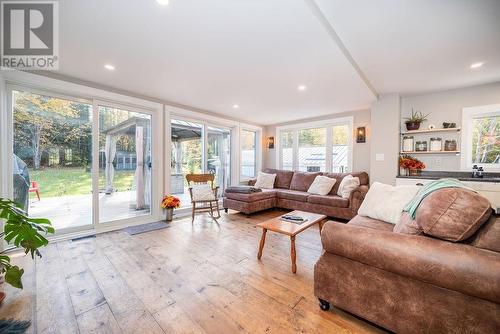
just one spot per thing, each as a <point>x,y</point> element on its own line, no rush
<point>462,176</point>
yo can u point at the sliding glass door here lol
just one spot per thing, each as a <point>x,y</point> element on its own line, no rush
<point>219,156</point>
<point>52,158</point>
<point>124,164</point>
<point>79,162</point>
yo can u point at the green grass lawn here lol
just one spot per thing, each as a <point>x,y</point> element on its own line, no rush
<point>65,181</point>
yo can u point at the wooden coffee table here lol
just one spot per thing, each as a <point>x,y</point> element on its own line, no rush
<point>290,229</point>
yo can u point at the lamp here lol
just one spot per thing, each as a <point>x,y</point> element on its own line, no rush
<point>361,135</point>
<point>270,142</point>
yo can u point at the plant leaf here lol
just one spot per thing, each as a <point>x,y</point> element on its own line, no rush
<point>13,276</point>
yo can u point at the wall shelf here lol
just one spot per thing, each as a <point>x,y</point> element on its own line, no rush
<point>415,132</point>
<point>430,152</point>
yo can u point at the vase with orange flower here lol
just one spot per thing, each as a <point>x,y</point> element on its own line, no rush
<point>169,203</point>
<point>412,165</point>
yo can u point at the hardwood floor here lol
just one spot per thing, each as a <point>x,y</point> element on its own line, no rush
<point>200,278</point>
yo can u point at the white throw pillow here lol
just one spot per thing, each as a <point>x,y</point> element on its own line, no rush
<point>203,192</point>
<point>385,202</point>
<point>321,185</point>
<point>265,181</point>
<point>347,185</point>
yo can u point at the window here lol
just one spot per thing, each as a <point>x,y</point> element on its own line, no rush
<point>316,147</point>
<point>312,150</point>
<point>248,154</point>
<point>481,136</point>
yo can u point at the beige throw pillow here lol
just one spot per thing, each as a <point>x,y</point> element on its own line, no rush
<point>203,192</point>
<point>321,185</point>
<point>265,181</point>
<point>347,185</point>
<point>385,202</point>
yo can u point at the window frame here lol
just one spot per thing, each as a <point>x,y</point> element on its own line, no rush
<point>328,124</point>
<point>468,114</point>
<point>256,151</point>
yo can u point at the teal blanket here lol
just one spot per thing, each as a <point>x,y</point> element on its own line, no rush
<point>426,190</point>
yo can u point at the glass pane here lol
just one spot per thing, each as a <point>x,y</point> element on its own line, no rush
<point>340,148</point>
<point>286,147</point>
<point>186,153</point>
<point>248,154</point>
<point>52,158</point>
<point>124,164</point>
<point>218,158</point>
<point>312,150</point>
<point>486,140</point>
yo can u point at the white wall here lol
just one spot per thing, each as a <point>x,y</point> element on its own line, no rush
<point>384,153</point>
<point>447,107</point>
<point>361,151</point>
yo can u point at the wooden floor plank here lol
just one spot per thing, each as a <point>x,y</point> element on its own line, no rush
<point>198,278</point>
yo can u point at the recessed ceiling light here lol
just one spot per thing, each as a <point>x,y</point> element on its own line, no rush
<point>109,67</point>
<point>163,2</point>
<point>302,87</point>
<point>235,106</point>
<point>476,65</point>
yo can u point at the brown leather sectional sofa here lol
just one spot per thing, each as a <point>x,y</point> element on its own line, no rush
<point>290,192</point>
<point>412,283</point>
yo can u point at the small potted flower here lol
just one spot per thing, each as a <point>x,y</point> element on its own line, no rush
<point>169,203</point>
<point>412,165</point>
<point>416,118</point>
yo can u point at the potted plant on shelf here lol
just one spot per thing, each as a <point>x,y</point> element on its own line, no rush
<point>21,231</point>
<point>412,165</point>
<point>169,203</point>
<point>416,118</point>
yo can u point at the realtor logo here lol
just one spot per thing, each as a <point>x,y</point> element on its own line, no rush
<point>30,35</point>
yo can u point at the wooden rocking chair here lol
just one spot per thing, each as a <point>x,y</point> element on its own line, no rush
<point>205,205</point>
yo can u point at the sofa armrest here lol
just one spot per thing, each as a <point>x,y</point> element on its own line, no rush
<point>356,198</point>
<point>251,182</point>
<point>454,266</point>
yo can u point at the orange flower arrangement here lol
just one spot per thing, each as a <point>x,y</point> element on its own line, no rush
<point>170,202</point>
<point>409,162</point>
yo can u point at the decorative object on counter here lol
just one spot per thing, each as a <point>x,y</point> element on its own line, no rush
<point>416,118</point>
<point>270,142</point>
<point>447,125</point>
<point>361,135</point>
<point>412,165</point>
<point>450,145</point>
<point>431,127</point>
<point>407,143</point>
<point>436,144</point>
<point>477,172</point>
<point>421,146</point>
<point>169,203</point>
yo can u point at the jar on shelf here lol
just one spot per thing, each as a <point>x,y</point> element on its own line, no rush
<point>407,143</point>
<point>450,145</point>
<point>421,146</point>
<point>436,144</point>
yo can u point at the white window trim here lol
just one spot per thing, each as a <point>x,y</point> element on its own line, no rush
<point>258,149</point>
<point>329,123</point>
<point>467,115</point>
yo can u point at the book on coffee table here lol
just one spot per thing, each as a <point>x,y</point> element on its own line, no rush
<point>293,219</point>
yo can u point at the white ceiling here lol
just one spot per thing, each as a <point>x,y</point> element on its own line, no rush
<point>211,54</point>
<point>417,46</point>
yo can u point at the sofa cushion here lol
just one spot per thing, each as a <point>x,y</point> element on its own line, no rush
<point>363,179</point>
<point>301,181</point>
<point>452,214</point>
<point>335,201</point>
<point>293,195</point>
<point>283,177</point>
<point>488,236</point>
<point>252,197</point>
<point>370,223</point>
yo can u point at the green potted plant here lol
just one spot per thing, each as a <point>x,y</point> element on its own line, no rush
<point>416,118</point>
<point>21,231</point>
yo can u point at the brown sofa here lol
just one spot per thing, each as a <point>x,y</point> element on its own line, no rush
<point>290,192</point>
<point>411,283</point>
